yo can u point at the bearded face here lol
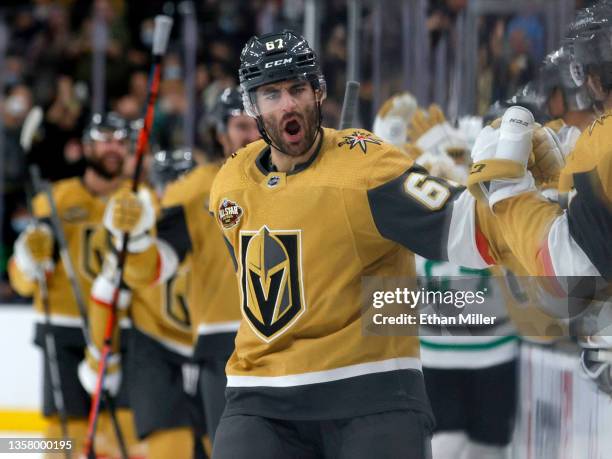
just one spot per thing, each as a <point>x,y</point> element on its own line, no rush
<point>107,157</point>
<point>290,115</point>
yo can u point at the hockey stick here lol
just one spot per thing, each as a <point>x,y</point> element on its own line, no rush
<point>112,411</point>
<point>348,115</point>
<point>161,35</point>
<point>44,187</point>
<point>28,133</point>
<point>50,349</point>
<point>30,127</point>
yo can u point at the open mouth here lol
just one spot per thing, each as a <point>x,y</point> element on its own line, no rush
<point>293,130</point>
<point>292,127</point>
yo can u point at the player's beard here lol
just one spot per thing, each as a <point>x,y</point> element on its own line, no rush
<point>100,167</point>
<point>308,122</point>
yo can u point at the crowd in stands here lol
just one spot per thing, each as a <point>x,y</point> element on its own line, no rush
<point>49,59</point>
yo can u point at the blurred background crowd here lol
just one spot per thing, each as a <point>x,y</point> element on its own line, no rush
<point>50,52</point>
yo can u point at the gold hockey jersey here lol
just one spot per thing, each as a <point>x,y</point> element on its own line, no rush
<point>577,242</point>
<point>81,215</point>
<point>188,227</point>
<point>157,310</point>
<point>303,242</point>
<point>161,311</point>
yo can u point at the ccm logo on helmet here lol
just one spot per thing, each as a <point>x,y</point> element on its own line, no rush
<point>278,62</point>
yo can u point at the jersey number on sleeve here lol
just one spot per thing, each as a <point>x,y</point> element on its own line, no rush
<point>429,192</point>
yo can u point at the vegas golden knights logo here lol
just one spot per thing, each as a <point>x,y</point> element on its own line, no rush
<point>95,243</point>
<point>271,280</point>
<point>174,299</point>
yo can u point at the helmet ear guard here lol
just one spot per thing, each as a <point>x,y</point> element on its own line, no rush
<point>250,107</point>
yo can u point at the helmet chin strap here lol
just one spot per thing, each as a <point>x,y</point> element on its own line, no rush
<point>268,140</point>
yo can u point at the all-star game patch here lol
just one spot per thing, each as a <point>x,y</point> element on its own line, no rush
<point>75,214</point>
<point>360,138</point>
<point>229,213</point>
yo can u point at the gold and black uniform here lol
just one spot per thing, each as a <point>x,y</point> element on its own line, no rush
<point>159,345</point>
<point>576,242</point>
<point>212,293</point>
<point>80,213</point>
<point>302,242</point>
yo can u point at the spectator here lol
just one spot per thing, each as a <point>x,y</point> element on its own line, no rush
<point>16,106</point>
<point>62,127</point>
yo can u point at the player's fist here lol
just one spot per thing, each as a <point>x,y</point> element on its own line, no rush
<point>33,250</point>
<point>39,241</point>
<point>500,157</point>
<point>546,159</point>
<point>88,373</point>
<point>130,213</point>
<point>127,211</point>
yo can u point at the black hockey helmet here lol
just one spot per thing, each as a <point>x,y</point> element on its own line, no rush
<point>560,71</point>
<point>228,104</point>
<point>529,97</point>
<point>591,41</point>
<point>277,57</point>
<point>168,166</point>
<point>106,126</point>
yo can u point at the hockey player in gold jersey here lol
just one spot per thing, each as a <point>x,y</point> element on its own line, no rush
<point>308,212</point>
<point>577,242</point>
<point>191,231</point>
<point>187,234</point>
<point>162,389</point>
<point>80,203</point>
<point>566,96</point>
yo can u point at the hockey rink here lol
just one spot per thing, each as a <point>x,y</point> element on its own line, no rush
<point>20,393</point>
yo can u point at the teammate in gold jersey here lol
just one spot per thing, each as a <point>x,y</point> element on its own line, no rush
<point>576,242</point>
<point>162,382</point>
<point>190,230</point>
<point>189,237</point>
<point>80,203</point>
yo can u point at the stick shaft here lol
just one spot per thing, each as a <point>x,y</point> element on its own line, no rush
<point>41,186</point>
<point>350,105</point>
<point>141,145</point>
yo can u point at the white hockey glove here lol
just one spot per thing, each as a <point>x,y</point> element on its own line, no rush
<point>567,135</point>
<point>393,118</point>
<point>500,158</point>
<point>432,133</point>
<point>131,213</point>
<point>442,166</point>
<point>105,284</point>
<point>33,251</point>
<point>88,372</point>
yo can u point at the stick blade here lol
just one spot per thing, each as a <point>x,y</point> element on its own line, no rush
<point>30,128</point>
<point>161,34</point>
